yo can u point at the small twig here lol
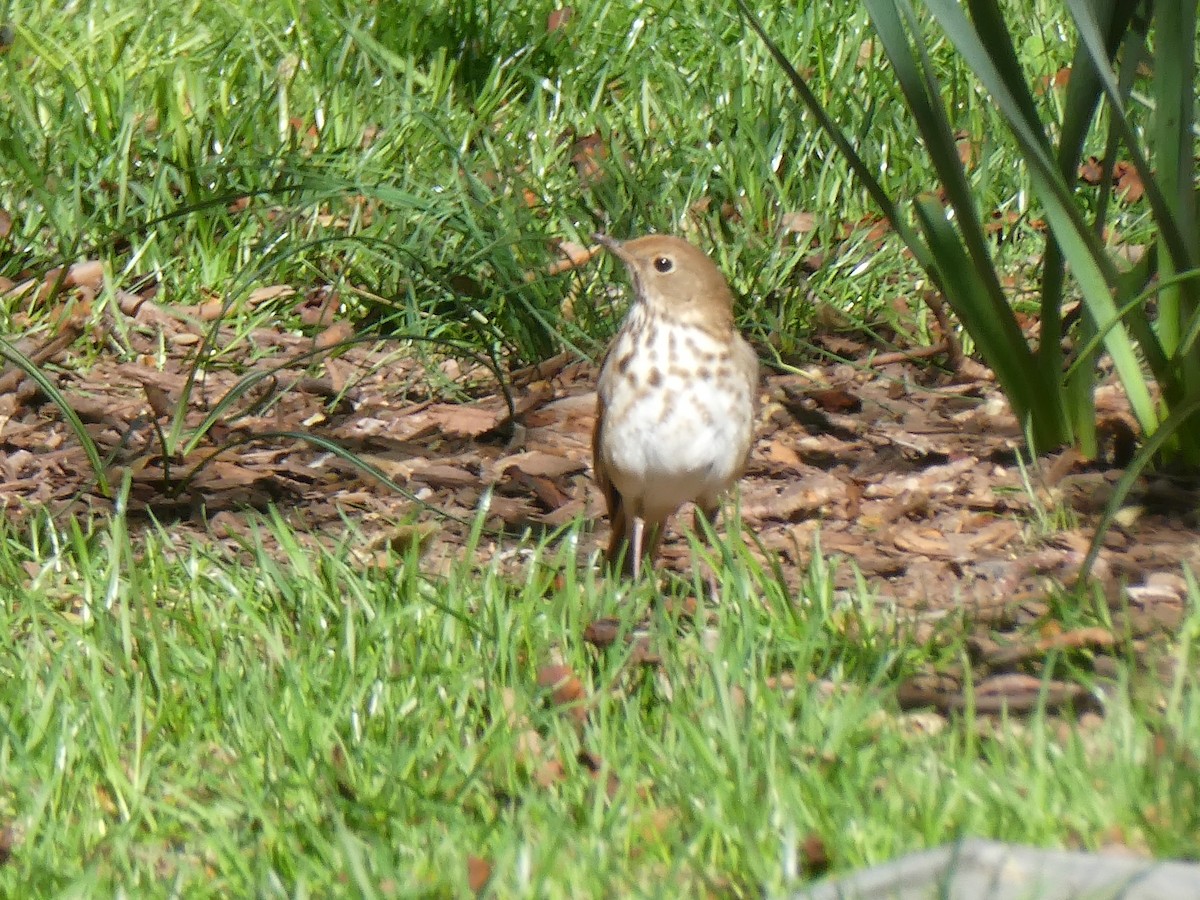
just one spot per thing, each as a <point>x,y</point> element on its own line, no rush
<point>12,379</point>
<point>937,305</point>
<point>886,359</point>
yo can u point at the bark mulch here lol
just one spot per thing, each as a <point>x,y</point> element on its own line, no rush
<point>910,475</point>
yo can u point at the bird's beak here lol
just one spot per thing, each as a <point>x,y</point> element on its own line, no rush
<point>612,245</point>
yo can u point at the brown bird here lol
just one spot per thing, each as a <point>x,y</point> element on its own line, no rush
<point>675,399</point>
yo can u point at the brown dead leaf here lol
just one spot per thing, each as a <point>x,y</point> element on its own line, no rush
<point>596,767</point>
<point>479,873</point>
<point>1054,695</point>
<point>1059,79</point>
<point>835,400</point>
<point>866,54</point>
<point>1128,182</point>
<point>549,495</point>
<point>210,310</point>
<point>550,773</point>
<point>402,537</point>
<point>5,226</point>
<point>654,827</point>
<point>1001,221</point>
<point>464,421</point>
<point>1091,171</point>
<point>89,274</point>
<point>798,222</point>
<point>815,854</point>
<point>129,303</point>
<point>968,150</point>
<point>541,464</point>
<point>1093,638</point>
<point>873,229</point>
<point>793,502</point>
<point>8,840</point>
<point>270,292</point>
<point>559,19</point>
<point>319,307</point>
<point>224,475</point>
<point>587,155</point>
<point>337,333</point>
<point>566,690</point>
<point>1078,639</point>
<point>701,206</point>
<point>779,452</point>
<point>604,633</point>
<point>575,255</point>
<point>685,608</point>
<point>997,536</point>
<point>544,370</point>
<point>923,541</point>
<point>442,475</point>
<point>159,402</point>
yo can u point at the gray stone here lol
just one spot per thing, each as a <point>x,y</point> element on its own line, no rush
<point>989,870</point>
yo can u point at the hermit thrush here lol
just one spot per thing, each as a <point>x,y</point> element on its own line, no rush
<point>676,396</point>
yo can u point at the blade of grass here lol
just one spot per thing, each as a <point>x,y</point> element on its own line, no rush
<point>35,373</point>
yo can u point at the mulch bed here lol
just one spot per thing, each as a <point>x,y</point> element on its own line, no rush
<point>909,473</point>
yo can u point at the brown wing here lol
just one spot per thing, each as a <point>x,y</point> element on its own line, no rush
<point>612,497</point>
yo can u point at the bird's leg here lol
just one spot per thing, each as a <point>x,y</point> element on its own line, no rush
<point>639,528</point>
<point>706,512</point>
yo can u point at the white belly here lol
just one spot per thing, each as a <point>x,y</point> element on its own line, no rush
<point>668,438</point>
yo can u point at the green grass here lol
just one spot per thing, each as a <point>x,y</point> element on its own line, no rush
<point>388,153</point>
<point>178,722</point>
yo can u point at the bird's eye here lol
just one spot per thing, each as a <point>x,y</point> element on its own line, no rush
<point>664,264</point>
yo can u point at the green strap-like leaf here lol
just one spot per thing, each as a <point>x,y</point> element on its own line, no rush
<point>34,371</point>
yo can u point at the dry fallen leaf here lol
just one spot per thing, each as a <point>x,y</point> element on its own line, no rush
<point>318,307</point>
<point>559,19</point>
<point>1128,182</point>
<point>797,222</point>
<point>575,255</point>
<point>479,873</point>
<point>1059,79</point>
<point>159,402</point>
<point>596,767</point>
<point>270,292</point>
<point>210,310</point>
<point>566,690</point>
<point>337,333</point>
<point>85,274</point>
<point>815,853</point>
<point>587,155</point>
<point>968,150</point>
<point>779,452</point>
<point>923,541</point>
<point>540,464</point>
<point>464,421</point>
